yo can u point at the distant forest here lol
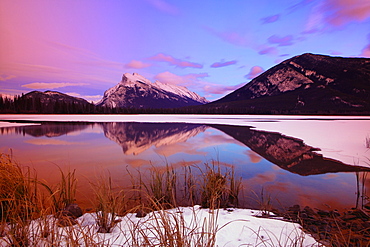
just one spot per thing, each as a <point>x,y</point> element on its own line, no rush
<point>22,105</point>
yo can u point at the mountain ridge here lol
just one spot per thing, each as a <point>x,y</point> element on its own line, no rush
<point>307,83</point>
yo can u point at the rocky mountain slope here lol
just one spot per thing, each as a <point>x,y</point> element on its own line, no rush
<point>306,83</point>
<point>135,91</point>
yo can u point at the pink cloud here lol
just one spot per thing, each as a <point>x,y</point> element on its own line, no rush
<point>336,13</point>
<point>135,64</point>
<point>281,41</point>
<point>185,80</point>
<point>93,98</point>
<point>255,71</point>
<point>270,19</point>
<point>366,51</point>
<point>52,142</point>
<point>253,156</point>
<point>220,89</point>
<point>268,51</point>
<point>174,61</point>
<point>234,38</point>
<point>223,64</point>
<point>52,85</point>
<point>340,12</point>
<point>4,77</point>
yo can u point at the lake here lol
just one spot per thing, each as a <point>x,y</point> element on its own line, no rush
<point>319,161</point>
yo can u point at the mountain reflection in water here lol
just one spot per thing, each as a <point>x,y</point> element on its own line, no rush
<point>288,153</point>
<point>256,155</point>
<point>135,138</point>
<point>46,129</point>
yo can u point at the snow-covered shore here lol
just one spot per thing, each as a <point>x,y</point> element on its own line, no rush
<point>232,227</point>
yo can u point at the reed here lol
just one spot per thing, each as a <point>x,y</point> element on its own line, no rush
<point>30,218</point>
<point>264,201</point>
<point>108,204</point>
<point>163,185</point>
<point>169,228</point>
<point>19,202</point>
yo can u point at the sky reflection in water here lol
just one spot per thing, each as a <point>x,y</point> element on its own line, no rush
<point>94,149</point>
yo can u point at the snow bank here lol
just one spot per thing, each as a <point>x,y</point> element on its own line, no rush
<point>233,227</point>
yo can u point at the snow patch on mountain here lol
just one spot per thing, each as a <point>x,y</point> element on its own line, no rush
<point>179,90</point>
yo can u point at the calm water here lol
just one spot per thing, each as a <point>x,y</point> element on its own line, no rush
<point>313,161</point>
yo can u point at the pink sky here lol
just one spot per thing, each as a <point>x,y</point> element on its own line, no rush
<point>212,47</point>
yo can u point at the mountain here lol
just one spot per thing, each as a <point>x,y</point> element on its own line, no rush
<point>307,83</point>
<point>53,96</point>
<point>135,91</point>
<point>52,102</point>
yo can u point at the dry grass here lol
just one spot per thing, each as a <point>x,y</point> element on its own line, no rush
<point>108,204</point>
<point>30,217</point>
<point>19,202</point>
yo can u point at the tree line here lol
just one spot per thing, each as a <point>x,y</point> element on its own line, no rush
<point>24,105</point>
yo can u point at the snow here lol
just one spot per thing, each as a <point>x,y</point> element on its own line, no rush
<point>8,124</point>
<point>52,93</point>
<point>182,91</point>
<point>233,227</point>
<point>136,77</point>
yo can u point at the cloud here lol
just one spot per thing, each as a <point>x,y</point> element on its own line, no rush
<point>366,49</point>
<point>255,71</point>
<point>220,89</point>
<point>223,64</point>
<point>185,80</point>
<point>4,77</point>
<point>253,156</point>
<point>281,41</point>
<point>164,6</point>
<point>268,51</point>
<point>138,162</point>
<point>93,98</point>
<point>52,142</point>
<point>234,38</point>
<point>335,13</point>
<point>135,64</point>
<point>160,57</point>
<point>270,19</point>
<point>181,147</point>
<point>340,12</point>
<point>51,85</point>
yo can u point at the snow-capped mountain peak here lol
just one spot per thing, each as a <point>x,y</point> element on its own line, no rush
<point>136,91</point>
<point>128,79</point>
